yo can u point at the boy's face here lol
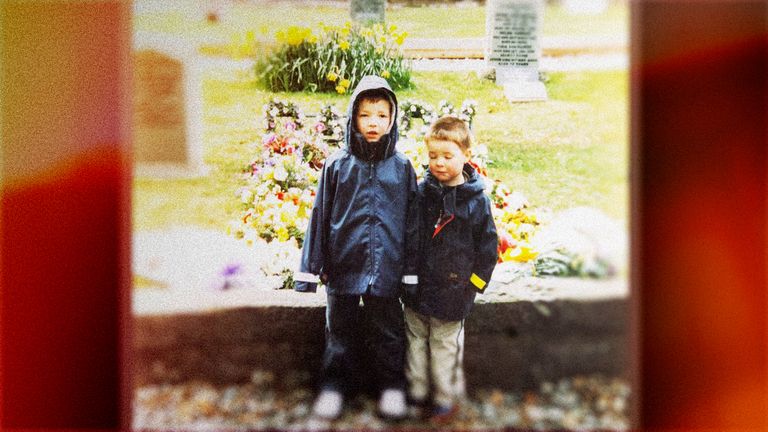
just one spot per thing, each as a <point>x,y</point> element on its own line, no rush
<point>372,119</point>
<point>446,161</point>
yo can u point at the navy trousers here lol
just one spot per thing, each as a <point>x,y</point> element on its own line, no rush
<point>363,343</point>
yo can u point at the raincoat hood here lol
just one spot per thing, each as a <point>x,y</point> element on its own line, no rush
<point>355,141</point>
<point>473,185</point>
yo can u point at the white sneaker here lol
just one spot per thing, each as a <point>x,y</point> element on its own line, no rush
<point>328,405</point>
<point>392,404</point>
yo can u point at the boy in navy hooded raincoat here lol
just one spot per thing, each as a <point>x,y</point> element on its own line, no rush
<point>362,242</point>
<point>459,253</point>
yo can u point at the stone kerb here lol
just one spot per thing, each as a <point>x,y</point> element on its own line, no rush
<point>519,333</point>
<point>167,107</point>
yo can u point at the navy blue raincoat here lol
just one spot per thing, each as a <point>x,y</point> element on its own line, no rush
<point>458,247</point>
<point>363,232</point>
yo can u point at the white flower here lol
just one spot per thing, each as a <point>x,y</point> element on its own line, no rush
<point>280,173</point>
<point>246,196</point>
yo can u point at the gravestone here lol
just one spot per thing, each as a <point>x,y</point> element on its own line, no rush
<point>167,110</point>
<point>585,7</point>
<point>367,11</point>
<point>512,30</point>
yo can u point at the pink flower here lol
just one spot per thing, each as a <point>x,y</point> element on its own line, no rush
<point>291,126</point>
<point>269,139</point>
<point>319,127</point>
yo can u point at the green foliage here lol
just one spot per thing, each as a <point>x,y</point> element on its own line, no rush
<point>335,59</point>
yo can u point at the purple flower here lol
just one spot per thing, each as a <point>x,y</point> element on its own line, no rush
<point>231,269</point>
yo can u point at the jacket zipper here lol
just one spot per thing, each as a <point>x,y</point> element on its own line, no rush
<point>370,226</point>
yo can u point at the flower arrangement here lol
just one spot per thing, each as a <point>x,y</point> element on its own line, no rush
<point>515,223</point>
<point>334,58</point>
<point>276,109</point>
<point>329,125</point>
<point>411,109</point>
<point>279,193</point>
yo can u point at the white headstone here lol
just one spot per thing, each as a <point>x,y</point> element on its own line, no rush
<point>513,28</point>
<point>585,7</point>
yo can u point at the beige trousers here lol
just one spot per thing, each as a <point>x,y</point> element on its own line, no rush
<point>435,355</point>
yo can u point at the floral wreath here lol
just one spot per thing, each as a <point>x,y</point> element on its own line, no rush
<point>466,113</point>
<point>277,108</point>
<point>329,124</point>
<point>411,109</point>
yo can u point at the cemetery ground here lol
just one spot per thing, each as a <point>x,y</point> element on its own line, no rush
<point>457,20</point>
<point>568,151</point>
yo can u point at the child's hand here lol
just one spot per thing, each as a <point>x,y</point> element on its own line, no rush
<point>302,286</point>
<point>409,292</point>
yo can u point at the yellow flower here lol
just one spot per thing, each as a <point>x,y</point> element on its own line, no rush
<point>332,76</point>
<point>345,32</point>
<point>401,38</point>
<point>379,50</point>
<point>344,83</point>
<point>383,39</point>
<point>344,45</point>
<point>523,254</point>
<point>296,35</point>
<point>392,28</point>
<point>312,38</point>
<point>280,36</point>
<point>385,74</point>
<point>341,89</point>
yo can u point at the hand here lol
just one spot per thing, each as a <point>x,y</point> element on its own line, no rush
<point>301,286</point>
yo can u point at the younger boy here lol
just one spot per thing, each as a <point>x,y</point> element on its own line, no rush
<point>362,243</point>
<point>458,254</point>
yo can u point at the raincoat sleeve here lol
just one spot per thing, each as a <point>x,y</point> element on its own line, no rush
<point>314,250</point>
<point>486,246</point>
<point>410,269</point>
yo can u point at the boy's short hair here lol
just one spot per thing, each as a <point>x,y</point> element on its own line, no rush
<point>373,96</point>
<point>450,128</point>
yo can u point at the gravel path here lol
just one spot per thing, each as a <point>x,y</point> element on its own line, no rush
<point>577,403</point>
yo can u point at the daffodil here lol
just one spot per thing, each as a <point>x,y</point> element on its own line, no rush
<point>344,45</point>
<point>332,76</point>
<point>401,38</point>
<point>379,50</point>
<point>385,74</point>
<point>296,35</point>
<point>341,89</point>
<point>344,83</point>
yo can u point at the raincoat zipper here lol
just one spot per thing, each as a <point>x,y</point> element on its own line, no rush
<point>370,225</point>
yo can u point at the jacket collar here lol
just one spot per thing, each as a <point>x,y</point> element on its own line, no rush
<point>473,185</point>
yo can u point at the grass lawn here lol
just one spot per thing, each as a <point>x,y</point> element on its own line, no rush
<point>420,22</point>
<point>568,151</point>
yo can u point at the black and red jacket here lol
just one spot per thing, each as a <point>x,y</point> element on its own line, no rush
<point>458,247</point>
